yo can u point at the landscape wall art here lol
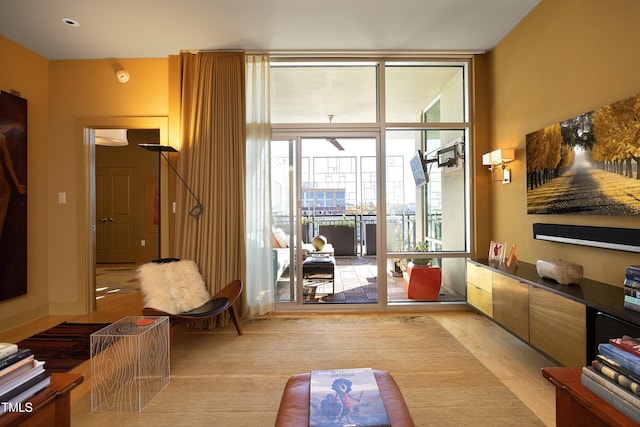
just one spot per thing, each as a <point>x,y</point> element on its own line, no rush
<point>13,196</point>
<point>587,165</point>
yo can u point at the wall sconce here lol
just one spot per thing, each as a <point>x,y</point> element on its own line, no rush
<point>498,158</point>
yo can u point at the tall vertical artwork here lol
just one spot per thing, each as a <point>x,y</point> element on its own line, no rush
<point>587,165</point>
<point>13,196</point>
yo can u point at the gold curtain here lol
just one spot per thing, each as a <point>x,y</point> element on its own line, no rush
<point>212,161</point>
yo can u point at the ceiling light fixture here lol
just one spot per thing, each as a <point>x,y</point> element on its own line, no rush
<point>111,137</point>
<point>70,22</point>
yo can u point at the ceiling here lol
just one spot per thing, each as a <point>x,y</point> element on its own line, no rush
<point>159,28</point>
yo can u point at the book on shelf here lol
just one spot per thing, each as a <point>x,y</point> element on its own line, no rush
<point>8,387</point>
<point>612,386</point>
<point>627,344</point>
<point>631,291</point>
<point>24,386</point>
<point>633,272</point>
<point>604,360</point>
<point>627,360</point>
<point>632,299</point>
<point>15,357</point>
<point>631,303</point>
<point>616,376</point>
<point>606,394</point>
<point>17,369</point>
<point>38,385</point>
<point>630,283</point>
<point>344,397</point>
<point>7,349</point>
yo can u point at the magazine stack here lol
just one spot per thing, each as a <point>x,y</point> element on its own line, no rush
<point>21,376</point>
<point>632,288</point>
<point>614,375</point>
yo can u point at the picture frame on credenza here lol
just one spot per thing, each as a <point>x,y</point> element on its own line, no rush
<point>497,251</point>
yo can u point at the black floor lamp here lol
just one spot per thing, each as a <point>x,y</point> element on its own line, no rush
<point>195,211</point>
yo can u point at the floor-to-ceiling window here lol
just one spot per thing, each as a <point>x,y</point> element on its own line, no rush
<point>378,147</point>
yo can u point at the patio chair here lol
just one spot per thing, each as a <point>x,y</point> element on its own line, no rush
<point>175,288</point>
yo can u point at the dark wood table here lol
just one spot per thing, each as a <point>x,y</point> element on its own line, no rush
<point>49,407</point>
<point>577,406</point>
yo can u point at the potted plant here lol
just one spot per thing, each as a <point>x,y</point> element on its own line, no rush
<point>341,234</point>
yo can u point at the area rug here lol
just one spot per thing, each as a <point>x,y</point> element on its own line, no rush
<point>64,346</point>
<point>220,378</point>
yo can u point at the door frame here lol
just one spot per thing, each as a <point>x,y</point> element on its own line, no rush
<point>86,195</point>
<point>324,131</point>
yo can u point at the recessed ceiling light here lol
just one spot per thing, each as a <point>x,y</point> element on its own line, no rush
<point>70,22</point>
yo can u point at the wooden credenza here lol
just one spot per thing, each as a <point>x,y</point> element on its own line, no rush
<point>50,407</point>
<point>566,322</point>
<point>577,406</point>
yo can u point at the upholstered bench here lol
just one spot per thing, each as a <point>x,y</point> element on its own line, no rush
<point>319,265</point>
<point>294,404</point>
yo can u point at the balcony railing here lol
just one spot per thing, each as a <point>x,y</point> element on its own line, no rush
<point>401,230</point>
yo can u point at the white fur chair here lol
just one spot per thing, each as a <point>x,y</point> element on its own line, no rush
<point>175,288</point>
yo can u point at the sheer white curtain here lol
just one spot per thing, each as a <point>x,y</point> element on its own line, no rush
<point>259,260</point>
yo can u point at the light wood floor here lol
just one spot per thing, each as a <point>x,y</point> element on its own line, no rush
<point>509,359</point>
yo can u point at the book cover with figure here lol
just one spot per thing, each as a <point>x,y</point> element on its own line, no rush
<point>345,398</point>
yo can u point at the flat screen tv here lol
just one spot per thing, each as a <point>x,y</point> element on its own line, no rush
<point>420,175</point>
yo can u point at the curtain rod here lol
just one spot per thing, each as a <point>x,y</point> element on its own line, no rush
<point>195,51</point>
<point>350,53</point>
<point>367,53</point>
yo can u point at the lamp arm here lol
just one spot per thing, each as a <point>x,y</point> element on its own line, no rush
<point>179,177</point>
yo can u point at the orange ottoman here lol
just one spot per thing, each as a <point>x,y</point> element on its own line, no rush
<point>294,404</point>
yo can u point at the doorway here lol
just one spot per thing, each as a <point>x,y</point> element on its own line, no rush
<point>145,237</point>
<point>324,190</point>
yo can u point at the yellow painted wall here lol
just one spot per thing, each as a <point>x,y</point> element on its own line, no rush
<point>83,93</point>
<point>565,58</point>
<point>64,96</point>
<point>28,73</point>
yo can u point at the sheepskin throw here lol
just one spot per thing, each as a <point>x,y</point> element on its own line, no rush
<point>173,287</point>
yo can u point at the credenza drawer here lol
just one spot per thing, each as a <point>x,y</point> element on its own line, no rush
<point>479,276</point>
<point>480,299</point>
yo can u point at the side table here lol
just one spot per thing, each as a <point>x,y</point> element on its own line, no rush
<point>129,363</point>
<point>50,407</point>
<point>577,406</point>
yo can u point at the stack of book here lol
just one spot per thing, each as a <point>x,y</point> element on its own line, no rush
<point>632,288</point>
<point>615,375</point>
<point>21,376</point>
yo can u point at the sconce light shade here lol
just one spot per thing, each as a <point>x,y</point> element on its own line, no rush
<point>497,157</point>
<point>111,137</point>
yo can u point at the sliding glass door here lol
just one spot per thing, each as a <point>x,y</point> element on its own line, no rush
<point>324,214</point>
<point>371,153</point>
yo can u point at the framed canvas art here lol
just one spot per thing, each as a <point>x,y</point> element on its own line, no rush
<point>13,196</point>
<point>588,164</point>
